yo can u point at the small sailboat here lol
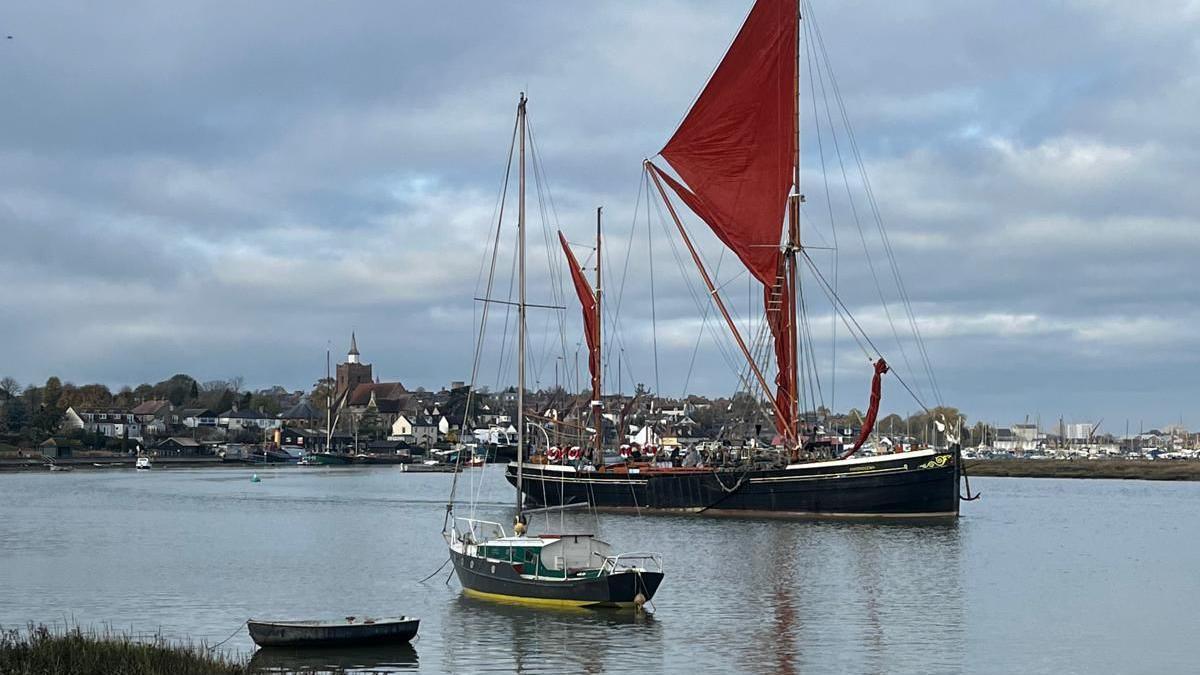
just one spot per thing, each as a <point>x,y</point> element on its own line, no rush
<point>566,569</point>
<point>142,463</point>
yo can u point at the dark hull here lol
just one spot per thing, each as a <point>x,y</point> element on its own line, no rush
<point>499,581</point>
<point>905,485</point>
<point>335,634</point>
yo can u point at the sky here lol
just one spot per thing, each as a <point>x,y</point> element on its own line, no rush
<point>228,189</point>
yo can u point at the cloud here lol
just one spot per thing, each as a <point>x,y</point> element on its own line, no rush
<point>227,189</point>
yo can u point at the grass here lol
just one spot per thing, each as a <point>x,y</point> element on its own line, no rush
<point>39,650</point>
<point>1095,468</point>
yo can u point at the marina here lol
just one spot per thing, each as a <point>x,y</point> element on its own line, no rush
<point>796,597</point>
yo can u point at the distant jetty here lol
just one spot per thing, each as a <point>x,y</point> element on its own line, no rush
<point>1086,468</point>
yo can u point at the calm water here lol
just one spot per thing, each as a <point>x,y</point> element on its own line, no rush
<point>1040,576</point>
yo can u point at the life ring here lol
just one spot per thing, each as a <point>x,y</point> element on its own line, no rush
<point>625,451</point>
<point>574,452</point>
<point>649,451</point>
<point>554,453</point>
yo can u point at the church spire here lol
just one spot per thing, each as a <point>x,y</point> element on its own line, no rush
<point>352,355</point>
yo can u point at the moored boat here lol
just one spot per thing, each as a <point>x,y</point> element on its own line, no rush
<point>550,569</point>
<point>325,459</point>
<point>575,570</point>
<point>921,484</point>
<point>339,633</point>
<point>734,162</point>
<point>142,463</point>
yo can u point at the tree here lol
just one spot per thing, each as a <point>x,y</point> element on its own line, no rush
<point>10,386</point>
<point>322,393</point>
<point>370,426</point>
<point>223,402</point>
<point>92,396</point>
<point>891,425</point>
<point>923,422</point>
<point>50,411</point>
<point>265,403</point>
<point>16,415</point>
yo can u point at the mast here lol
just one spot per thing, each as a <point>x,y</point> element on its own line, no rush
<point>597,400</point>
<point>521,315</point>
<point>793,246</point>
<point>328,405</point>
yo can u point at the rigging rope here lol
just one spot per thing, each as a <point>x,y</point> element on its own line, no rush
<point>854,147</point>
<point>844,313</point>
<point>502,199</point>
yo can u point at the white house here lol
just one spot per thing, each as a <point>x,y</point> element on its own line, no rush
<point>110,422</point>
<point>415,429</point>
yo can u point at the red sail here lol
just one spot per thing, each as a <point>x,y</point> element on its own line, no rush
<point>881,367</point>
<point>736,151</point>
<point>591,323</point>
<point>737,147</point>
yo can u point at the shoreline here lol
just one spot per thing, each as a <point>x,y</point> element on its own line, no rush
<point>1121,469</point>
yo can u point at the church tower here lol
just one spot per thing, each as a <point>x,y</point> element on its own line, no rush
<point>353,372</point>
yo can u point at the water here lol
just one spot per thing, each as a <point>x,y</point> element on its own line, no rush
<point>1041,575</point>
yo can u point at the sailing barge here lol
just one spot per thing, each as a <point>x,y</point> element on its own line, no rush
<point>736,164</point>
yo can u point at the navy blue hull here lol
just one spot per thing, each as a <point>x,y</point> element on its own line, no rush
<point>498,580</point>
<point>900,485</point>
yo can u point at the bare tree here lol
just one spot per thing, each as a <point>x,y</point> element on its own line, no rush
<point>10,386</point>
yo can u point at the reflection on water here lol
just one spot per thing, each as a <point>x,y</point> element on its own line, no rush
<point>514,638</point>
<point>341,660</point>
<point>1040,576</point>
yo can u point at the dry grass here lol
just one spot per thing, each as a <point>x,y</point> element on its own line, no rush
<point>39,650</point>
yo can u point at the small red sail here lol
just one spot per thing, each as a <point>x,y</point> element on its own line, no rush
<point>868,426</point>
<point>736,149</point>
<point>591,322</point>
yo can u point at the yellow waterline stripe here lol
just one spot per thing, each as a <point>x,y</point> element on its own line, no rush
<point>542,602</point>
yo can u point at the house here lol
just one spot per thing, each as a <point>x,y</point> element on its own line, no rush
<point>419,430</point>
<point>300,438</point>
<point>246,419</point>
<point>302,414</point>
<point>52,449</point>
<point>110,422</point>
<point>385,399</point>
<point>198,417</point>
<point>155,417</point>
<point>179,446</point>
<point>151,410</point>
<point>387,448</point>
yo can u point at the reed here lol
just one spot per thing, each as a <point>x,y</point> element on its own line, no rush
<point>39,650</point>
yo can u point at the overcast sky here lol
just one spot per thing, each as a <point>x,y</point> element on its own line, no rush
<point>224,188</point>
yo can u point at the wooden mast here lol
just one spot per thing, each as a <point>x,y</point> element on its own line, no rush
<point>793,246</point>
<point>597,398</point>
<point>521,319</point>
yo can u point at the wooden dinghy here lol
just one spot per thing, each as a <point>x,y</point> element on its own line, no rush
<point>349,631</point>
